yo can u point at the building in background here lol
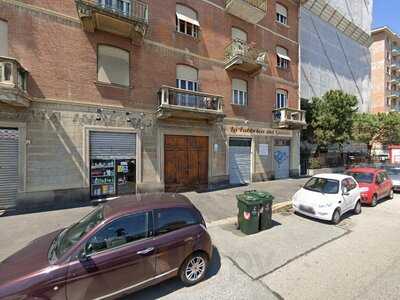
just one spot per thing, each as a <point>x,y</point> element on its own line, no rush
<point>335,36</point>
<point>101,98</point>
<point>385,55</point>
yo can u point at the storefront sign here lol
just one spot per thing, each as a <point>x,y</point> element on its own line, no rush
<point>252,131</point>
<point>263,150</point>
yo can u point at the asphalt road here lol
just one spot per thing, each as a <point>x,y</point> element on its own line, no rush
<point>298,258</point>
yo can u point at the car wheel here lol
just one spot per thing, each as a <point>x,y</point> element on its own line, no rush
<point>357,208</point>
<point>391,194</point>
<point>194,268</point>
<point>374,200</point>
<point>336,217</point>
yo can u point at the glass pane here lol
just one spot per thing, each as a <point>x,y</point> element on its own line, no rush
<point>241,98</point>
<point>182,26</point>
<point>190,86</point>
<point>189,29</point>
<point>7,72</point>
<point>183,84</point>
<point>1,73</point>
<point>235,96</point>
<point>169,220</point>
<point>122,231</point>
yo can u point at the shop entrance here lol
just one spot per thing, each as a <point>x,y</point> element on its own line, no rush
<point>185,162</point>
<point>112,164</point>
<point>9,140</point>
<point>239,161</point>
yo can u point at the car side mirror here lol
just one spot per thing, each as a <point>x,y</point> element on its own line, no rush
<point>83,254</point>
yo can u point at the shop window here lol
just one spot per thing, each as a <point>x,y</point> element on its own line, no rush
<point>187,21</point>
<point>239,92</point>
<point>281,14</point>
<point>283,58</point>
<point>113,65</point>
<point>281,98</point>
<point>3,38</point>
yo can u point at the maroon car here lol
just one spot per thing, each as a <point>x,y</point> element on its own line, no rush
<point>120,247</point>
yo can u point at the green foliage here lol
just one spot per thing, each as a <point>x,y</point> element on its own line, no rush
<point>330,118</point>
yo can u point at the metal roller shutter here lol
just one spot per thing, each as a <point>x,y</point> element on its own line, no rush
<point>112,144</point>
<point>239,161</point>
<point>8,167</point>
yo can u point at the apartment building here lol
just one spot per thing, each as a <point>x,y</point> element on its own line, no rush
<point>385,55</point>
<point>335,36</point>
<point>106,97</point>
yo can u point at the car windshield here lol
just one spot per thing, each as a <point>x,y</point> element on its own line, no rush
<point>362,177</point>
<point>71,235</point>
<point>322,185</point>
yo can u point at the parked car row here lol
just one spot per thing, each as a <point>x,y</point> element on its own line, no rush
<point>329,196</point>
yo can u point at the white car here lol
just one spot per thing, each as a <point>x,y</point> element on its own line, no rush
<point>328,197</point>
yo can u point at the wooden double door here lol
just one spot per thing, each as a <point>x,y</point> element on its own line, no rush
<point>185,162</point>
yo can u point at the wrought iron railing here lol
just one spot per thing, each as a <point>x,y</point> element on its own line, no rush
<point>260,4</point>
<point>171,96</point>
<point>396,50</point>
<point>284,115</point>
<point>133,9</point>
<point>395,65</point>
<point>246,51</point>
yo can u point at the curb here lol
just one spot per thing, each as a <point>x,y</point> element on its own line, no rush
<point>276,208</point>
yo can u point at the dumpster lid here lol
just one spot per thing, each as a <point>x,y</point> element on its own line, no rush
<point>263,196</point>
<point>248,199</point>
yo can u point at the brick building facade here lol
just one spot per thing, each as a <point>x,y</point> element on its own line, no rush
<point>99,98</point>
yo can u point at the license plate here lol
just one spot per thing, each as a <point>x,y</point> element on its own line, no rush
<point>307,209</point>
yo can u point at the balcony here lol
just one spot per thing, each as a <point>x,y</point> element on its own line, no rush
<point>394,94</point>
<point>289,118</point>
<point>395,51</point>
<point>252,11</point>
<point>13,80</point>
<point>395,65</point>
<point>395,80</point>
<point>124,18</point>
<point>179,103</point>
<point>240,55</point>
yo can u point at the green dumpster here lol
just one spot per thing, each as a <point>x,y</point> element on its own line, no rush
<point>249,213</point>
<point>265,208</point>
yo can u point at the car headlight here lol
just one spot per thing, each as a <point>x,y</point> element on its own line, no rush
<point>325,205</point>
<point>364,189</point>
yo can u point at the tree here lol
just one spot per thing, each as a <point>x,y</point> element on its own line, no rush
<point>331,118</point>
<point>376,128</point>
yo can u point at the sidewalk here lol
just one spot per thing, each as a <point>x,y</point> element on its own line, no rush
<point>221,204</point>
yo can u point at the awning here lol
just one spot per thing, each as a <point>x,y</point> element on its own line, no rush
<point>284,56</point>
<point>187,19</point>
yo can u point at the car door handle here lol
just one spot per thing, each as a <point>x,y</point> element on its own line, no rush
<point>145,251</point>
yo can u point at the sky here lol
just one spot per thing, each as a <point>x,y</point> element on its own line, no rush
<point>386,13</point>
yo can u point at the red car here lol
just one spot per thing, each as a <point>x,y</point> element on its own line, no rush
<point>375,184</point>
<point>122,246</point>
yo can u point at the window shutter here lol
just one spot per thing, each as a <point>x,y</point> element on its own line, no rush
<point>280,9</point>
<point>113,65</point>
<point>238,84</point>
<point>186,14</point>
<point>3,38</point>
<point>282,53</point>
<point>186,73</point>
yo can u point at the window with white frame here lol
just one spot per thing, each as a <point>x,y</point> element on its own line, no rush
<point>283,58</point>
<point>3,38</point>
<point>120,6</point>
<point>187,78</point>
<point>281,14</point>
<point>239,92</point>
<point>113,65</point>
<point>6,72</point>
<point>281,98</point>
<point>186,21</point>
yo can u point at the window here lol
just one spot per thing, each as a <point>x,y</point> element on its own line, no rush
<point>238,34</point>
<point>6,72</point>
<point>113,65</point>
<point>3,38</point>
<point>122,231</point>
<point>349,184</point>
<point>282,58</point>
<point>186,21</point>
<point>171,219</point>
<point>281,98</point>
<point>186,79</point>
<point>239,92</point>
<point>281,14</point>
<point>362,177</point>
<point>124,7</point>
<point>322,185</point>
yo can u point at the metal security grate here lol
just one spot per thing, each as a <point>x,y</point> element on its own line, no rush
<point>112,145</point>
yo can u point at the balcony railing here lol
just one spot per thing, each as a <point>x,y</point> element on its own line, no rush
<point>240,55</point>
<point>13,82</point>
<point>395,65</point>
<point>395,80</point>
<point>395,51</point>
<point>184,103</point>
<point>289,117</point>
<point>252,11</point>
<point>395,94</point>
<point>125,18</point>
